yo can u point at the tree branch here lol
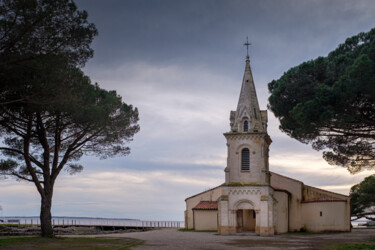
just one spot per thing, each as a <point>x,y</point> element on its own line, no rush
<point>27,159</point>
<point>35,161</point>
<point>42,136</point>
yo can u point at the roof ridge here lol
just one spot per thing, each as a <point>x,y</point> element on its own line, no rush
<point>203,192</point>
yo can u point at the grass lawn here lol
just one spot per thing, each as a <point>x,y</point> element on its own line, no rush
<point>192,230</point>
<point>367,245</point>
<point>40,243</point>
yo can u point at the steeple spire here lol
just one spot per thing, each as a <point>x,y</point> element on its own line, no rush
<point>248,117</point>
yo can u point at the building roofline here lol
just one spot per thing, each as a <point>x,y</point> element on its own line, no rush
<point>203,192</point>
<point>281,190</point>
<point>324,190</point>
<point>286,177</point>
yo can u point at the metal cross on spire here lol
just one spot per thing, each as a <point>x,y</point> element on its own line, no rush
<point>247,46</point>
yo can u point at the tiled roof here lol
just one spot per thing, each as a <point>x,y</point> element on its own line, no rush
<point>323,199</point>
<point>206,205</point>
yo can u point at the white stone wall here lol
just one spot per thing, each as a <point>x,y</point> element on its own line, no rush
<point>257,198</point>
<point>281,213</point>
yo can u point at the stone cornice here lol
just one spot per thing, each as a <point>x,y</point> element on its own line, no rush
<point>247,135</point>
<point>239,184</point>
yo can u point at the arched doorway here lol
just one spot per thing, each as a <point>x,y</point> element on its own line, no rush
<point>245,216</point>
<point>245,220</point>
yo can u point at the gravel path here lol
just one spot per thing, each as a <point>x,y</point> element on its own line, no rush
<point>172,239</point>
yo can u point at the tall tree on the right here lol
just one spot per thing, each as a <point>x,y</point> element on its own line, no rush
<point>330,103</point>
<point>363,199</point>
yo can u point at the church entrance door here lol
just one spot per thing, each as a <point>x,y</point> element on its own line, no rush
<point>245,220</point>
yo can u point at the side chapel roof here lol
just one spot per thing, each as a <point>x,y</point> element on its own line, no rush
<point>206,205</point>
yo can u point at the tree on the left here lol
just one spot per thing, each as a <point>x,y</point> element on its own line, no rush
<point>50,112</point>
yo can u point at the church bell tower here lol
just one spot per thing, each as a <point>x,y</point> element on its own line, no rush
<point>247,141</point>
<point>247,202</point>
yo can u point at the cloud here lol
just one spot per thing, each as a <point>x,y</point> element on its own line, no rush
<point>183,110</point>
<point>181,64</point>
<point>118,192</point>
<point>310,168</point>
<point>134,191</point>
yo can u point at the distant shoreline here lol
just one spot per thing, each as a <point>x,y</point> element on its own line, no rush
<point>68,217</point>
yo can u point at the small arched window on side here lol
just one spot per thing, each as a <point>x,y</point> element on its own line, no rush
<point>245,159</point>
<point>245,126</point>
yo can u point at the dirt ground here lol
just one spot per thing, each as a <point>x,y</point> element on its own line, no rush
<point>173,239</point>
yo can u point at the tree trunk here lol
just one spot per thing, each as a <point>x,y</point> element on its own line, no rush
<point>45,217</point>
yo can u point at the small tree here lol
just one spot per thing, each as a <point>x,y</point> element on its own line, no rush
<point>363,199</point>
<point>330,102</point>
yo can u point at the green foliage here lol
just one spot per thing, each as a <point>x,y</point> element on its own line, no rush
<point>36,28</point>
<point>350,247</point>
<point>186,230</point>
<point>50,113</point>
<point>42,139</point>
<point>363,198</point>
<point>66,243</point>
<point>330,102</point>
<point>197,231</point>
<point>37,38</point>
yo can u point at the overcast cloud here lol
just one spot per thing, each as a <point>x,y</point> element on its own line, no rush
<point>181,64</point>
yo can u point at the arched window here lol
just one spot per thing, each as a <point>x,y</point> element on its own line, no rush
<point>245,159</point>
<point>245,126</point>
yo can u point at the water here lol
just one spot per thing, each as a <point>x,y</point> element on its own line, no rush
<point>91,221</point>
<point>355,223</point>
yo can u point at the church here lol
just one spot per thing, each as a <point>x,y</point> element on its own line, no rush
<point>254,199</point>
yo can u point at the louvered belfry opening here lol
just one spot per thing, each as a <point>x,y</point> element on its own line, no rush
<point>245,126</point>
<point>245,159</point>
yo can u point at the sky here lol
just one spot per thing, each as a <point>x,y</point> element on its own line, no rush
<point>181,64</point>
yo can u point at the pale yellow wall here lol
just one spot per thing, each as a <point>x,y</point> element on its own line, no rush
<point>301,214</point>
<point>294,187</point>
<point>335,216</point>
<point>258,166</point>
<point>210,195</point>
<point>281,212</point>
<point>205,219</point>
<point>310,192</point>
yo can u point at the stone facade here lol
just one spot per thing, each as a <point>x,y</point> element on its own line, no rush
<point>254,199</point>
